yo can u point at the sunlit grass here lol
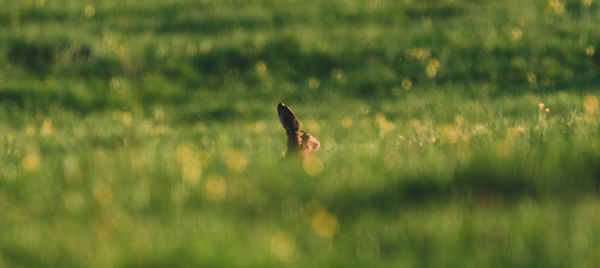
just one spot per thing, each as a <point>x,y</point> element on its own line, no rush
<point>119,179</point>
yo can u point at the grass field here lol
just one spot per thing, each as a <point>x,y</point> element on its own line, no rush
<point>453,133</point>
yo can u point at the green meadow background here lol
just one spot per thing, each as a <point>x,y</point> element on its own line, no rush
<point>453,133</point>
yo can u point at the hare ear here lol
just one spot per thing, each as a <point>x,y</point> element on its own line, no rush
<point>288,119</point>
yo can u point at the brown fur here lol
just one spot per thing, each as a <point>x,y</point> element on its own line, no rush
<point>300,143</point>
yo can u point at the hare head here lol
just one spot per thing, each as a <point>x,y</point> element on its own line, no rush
<point>299,142</point>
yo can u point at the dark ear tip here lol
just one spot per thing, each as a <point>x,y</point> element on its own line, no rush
<point>280,107</point>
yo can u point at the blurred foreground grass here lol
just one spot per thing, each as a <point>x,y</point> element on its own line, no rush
<point>454,133</point>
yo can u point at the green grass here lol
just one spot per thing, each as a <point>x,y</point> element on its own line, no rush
<point>453,133</point>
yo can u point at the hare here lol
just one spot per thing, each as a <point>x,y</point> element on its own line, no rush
<point>299,142</point>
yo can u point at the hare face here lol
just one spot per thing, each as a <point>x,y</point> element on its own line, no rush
<point>302,143</point>
<point>299,142</point>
